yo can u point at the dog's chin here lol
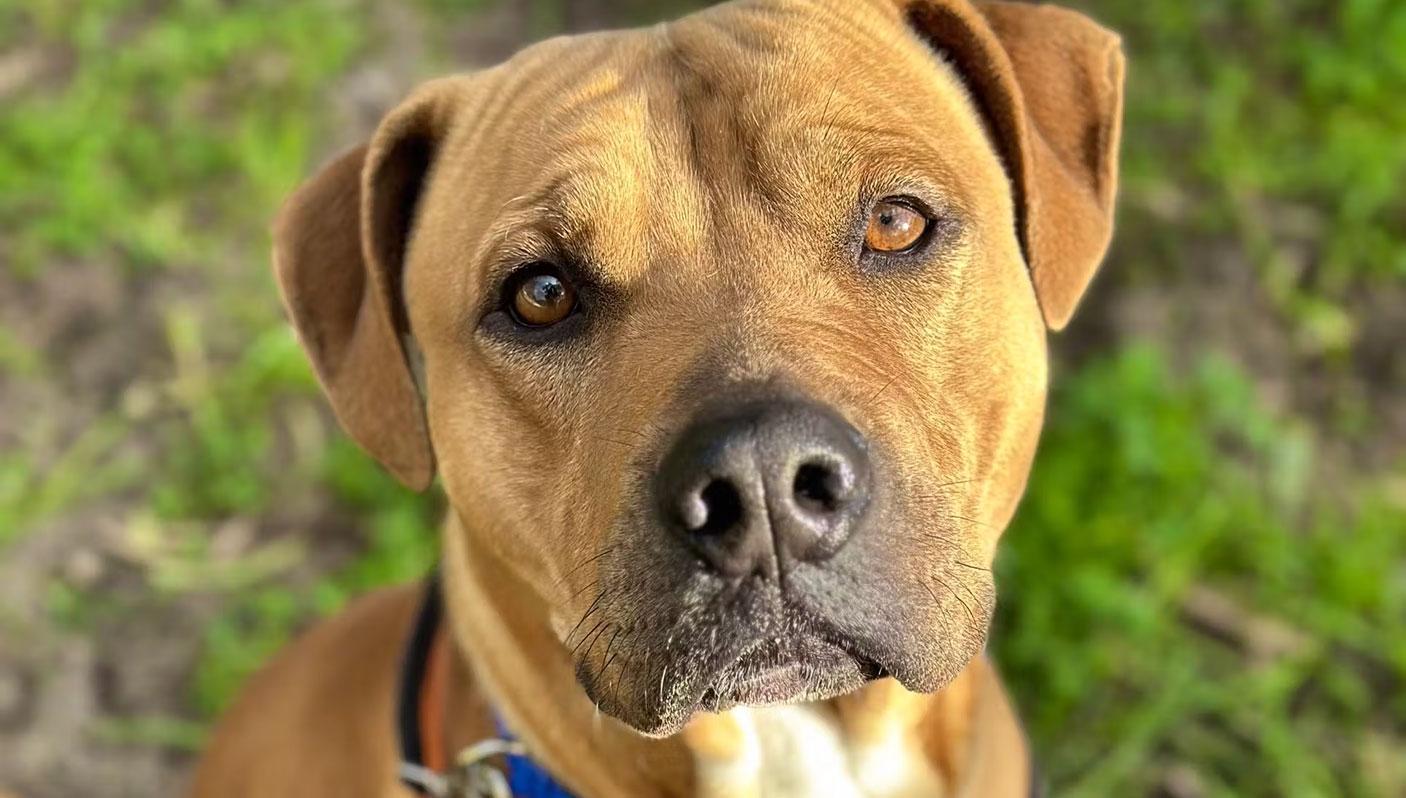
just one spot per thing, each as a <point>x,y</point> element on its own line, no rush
<point>767,673</point>
<point>761,673</point>
<point>764,673</point>
<point>781,672</point>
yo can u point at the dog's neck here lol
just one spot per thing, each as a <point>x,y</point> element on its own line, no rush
<point>963,742</point>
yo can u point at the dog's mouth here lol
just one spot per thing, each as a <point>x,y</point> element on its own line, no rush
<point>780,671</point>
<point>769,656</point>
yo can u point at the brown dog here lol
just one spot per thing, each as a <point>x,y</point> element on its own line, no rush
<point>727,340</point>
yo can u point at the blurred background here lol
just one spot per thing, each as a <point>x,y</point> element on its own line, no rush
<point>1204,593</point>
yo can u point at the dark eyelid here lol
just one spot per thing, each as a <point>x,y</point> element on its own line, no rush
<point>914,204</point>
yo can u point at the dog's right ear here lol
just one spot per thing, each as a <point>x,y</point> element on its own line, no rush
<point>338,245</point>
<point>1049,82</point>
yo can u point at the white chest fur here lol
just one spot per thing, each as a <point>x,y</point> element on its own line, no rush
<point>800,751</point>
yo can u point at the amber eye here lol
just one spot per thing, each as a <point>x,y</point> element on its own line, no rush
<point>893,227</point>
<point>542,298</point>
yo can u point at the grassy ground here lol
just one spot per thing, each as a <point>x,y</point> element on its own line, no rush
<point>1202,595</point>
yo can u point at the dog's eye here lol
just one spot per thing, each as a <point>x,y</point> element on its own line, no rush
<point>541,297</point>
<point>894,227</point>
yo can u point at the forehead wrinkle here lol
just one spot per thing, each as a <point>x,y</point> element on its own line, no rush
<point>497,147</point>
<point>749,150</point>
<point>879,70</point>
<point>686,160</point>
<point>625,184</point>
<point>532,78</point>
<point>713,60</point>
<point>584,159</point>
<point>677,191</point>
<point>611,167</point>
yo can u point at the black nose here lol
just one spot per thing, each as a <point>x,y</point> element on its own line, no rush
<point>765,486</point>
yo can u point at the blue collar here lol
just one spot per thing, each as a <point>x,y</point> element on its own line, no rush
<point>526,778</point>
<point>425,766</point>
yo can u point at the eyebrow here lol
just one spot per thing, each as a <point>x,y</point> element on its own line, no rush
<point>549,221</point>
<point>541,232</point>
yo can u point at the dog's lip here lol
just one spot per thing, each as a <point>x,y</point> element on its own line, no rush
<point>778,671</point>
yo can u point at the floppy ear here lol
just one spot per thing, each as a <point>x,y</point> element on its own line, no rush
<point>338,244</point>
<point>1050,83</point>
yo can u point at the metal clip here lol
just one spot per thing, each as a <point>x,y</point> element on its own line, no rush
<point>471,776</point>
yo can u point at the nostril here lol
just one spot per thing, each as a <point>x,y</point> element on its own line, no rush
<point>818,488</point>
<point>715,509</point>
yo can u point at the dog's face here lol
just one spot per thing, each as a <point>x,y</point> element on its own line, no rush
<point>730,346</point>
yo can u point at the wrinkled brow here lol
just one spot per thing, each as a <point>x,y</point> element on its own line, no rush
<point>551,223</point>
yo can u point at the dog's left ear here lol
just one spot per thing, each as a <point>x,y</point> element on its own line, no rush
<point>338,248</point>
<point>1050,83</point>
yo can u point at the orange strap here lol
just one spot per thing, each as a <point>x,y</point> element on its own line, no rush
<point>432,700</point>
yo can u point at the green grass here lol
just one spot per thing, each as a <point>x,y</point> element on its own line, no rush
<point>1195,485</point>
<point>164,135</point>
<point>400,547</point>
<point>1271,124</point>
<point>178,132</point>
<point>168,119</point>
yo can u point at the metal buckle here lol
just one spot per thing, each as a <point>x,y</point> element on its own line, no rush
<point>471,776</point>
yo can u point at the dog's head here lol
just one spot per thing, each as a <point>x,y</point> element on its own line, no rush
<point>732,329</point>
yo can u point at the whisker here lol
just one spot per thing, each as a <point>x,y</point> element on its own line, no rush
<point>941,486</point>
<point>970,521</point>
<point>969,591</point>
<point>583,589</point>
<point>969,565</point>
<point>608,646</point>
<point>629,446</point>
<point>825,112</point>
<point>598,625</point>
<point>587,614</point>
<point>615,687</point>
<point>583,564</point>
<point>880,392</point>
<point>958,597</point>
<point>647,654</point>
<point>609,624</point>
<point>936,602</point>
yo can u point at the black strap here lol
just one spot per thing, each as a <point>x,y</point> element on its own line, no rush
<point>414,663</point>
